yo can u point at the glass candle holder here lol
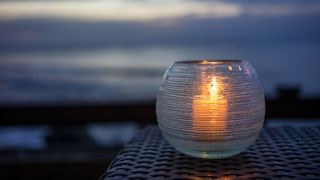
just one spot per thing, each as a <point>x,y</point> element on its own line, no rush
<point>210,108</point>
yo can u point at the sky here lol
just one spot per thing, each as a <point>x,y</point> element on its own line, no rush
<point>148,10</point>
<point>59,24</point>
<point>67,49</point>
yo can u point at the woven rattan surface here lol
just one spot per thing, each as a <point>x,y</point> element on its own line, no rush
<point>279,153</point>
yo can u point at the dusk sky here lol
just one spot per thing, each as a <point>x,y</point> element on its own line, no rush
<point>146,10</point>
<point>112,23</point>
<point>56,50</point>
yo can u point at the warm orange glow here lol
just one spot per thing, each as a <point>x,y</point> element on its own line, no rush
<point>210,108</point>
<point>204,62</point>
<point>209,62</point>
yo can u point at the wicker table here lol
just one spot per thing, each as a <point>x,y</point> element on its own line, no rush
<point>280,153</point>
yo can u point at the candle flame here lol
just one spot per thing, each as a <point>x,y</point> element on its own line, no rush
<point>214,88</point>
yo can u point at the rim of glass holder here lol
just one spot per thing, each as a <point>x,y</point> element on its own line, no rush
<point>212,61</point>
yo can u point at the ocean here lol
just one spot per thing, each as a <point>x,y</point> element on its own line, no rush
<point>112,75</point>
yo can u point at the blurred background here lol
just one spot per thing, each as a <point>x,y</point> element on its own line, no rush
<point>79,78</point>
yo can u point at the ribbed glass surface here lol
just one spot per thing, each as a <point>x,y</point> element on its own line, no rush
<point>210,108</point>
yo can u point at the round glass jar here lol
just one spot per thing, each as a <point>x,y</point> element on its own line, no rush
<point>210,108</point>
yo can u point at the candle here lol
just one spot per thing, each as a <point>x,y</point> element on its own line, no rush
<point>210,108</point>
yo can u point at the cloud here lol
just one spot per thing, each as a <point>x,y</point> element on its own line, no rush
<point>282,9</point>
<point>150,10</point>
<point>45,34</point>
<point>115,10</point>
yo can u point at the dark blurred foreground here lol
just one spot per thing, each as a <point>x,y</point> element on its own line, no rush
<point>78,142</point>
